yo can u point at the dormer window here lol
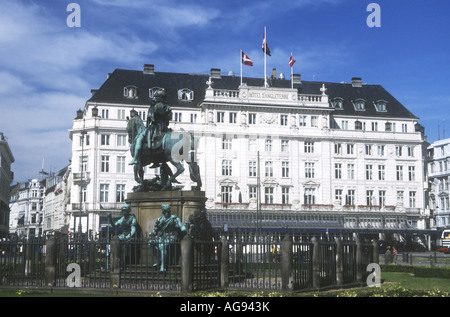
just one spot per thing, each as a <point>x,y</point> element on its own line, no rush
<point>359,104</point>
<point>338,103</point>
<point>380,105</point>
<point>152,91</point>
<point>130,92</point>
<point>185,94</point>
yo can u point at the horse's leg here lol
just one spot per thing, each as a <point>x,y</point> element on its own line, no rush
<point>194,171</point>
<point>172,179</point>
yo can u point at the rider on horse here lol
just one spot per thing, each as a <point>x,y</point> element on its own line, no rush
<point>158,117</point>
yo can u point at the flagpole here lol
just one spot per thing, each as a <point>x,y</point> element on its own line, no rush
<point>265,57</point>
<point>241,66</point>
<point>292,74</point>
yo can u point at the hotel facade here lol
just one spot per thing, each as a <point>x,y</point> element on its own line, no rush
<point>290,153</point>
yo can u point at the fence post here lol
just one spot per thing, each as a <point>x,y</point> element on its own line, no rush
<point>359,272</point>
<point>225,262</point>
<point>91,256</point>
<point>28,256</point>
<point>187,263</point>
<point>115,263</point>
<point>50,262</point>
<point>286,263</point>
<point>316,263</point>
<point>376,251</point>
<point>339,261</point>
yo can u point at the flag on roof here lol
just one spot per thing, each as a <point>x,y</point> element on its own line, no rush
<point>291,61</point>
<point>246,60</point>
<point>265,47</point>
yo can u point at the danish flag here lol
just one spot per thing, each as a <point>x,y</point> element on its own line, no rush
<point>246,60</point>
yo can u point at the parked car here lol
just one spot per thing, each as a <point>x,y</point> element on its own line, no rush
<point>444,249</point>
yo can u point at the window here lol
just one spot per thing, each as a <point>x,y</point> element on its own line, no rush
<point>314,120</point>
<point>142,115</point>
<point>268,195</point>
<point>153,91</point>
<point>269,169</point>
<point>226,143</point>
<point>285,195</point>
<point>104,193</point>
<point>350,197</point>
<point>382,198</point>
<point>359,105</point>
<point>309,170</point>
<point>252,169</point>
<point>404,127</point>
<point>381,106</point>
<point>350,171</point>
<point>226,167</point>
<point>120,168</point>
<point>121,140</point>
<point>380,150</point>
<point>268,145</point>
<point>374,126</point>
<point>285,169</point>
<point>233,117</point>
<point>411,173</point>
<point>130,92</point>
<point>252,118</point>
<point>370,199</point>
<point>302,121</point>
<point>399,170</point>
<point>284,120</point>
<point>177,117</point>
<point>193,117</point>
<point>338,148</point>
<point>83,163</point>
<point>185,94</point>
<point>350,148</point>
<point>338,103</point>
<point>104,163</point>
<point>381,172</point>
<point>252,192</point>
<point>226,193</point>
<point>398,150</point>
<point>310,196</point>
<point>410,151</point>
<point>84,193</point>
<point>412,199</point>
<point>104,139</point>
<point>220,117</point>
<point>338,195</point>
<point>120,193</point>
<point>400,195</point>
<point>369,172</point>
<point>285,146</point>
<point>368,148</point>
<point>121,114</point>
<point>344,124</point>
<point>309,147</point>
<point>338,170</point>
<point>252,145</point>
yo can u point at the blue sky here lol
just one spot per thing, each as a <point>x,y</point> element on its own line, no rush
<point>47,69</point>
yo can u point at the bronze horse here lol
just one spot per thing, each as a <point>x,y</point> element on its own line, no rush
<point>174,148</point>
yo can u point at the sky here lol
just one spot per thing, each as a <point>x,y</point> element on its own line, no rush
<point>52,55</point>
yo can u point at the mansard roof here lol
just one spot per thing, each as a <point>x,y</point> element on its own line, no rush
<point>112,91</point>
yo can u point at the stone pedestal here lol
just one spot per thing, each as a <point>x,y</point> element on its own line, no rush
<point>146,206</point>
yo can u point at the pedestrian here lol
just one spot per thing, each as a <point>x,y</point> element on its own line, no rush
<point>395,253</point>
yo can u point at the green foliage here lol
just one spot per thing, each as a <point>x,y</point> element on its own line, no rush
<point>432,272</point>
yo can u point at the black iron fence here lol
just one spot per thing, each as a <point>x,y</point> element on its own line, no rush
<point>235,261</point>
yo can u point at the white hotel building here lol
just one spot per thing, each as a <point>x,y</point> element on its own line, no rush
<point>317,155</point>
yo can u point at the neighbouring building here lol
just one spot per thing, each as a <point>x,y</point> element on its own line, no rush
<point>26,205</point>
<point>57,194</point>
<point>325,157</point>
<point>438,179</point>
<point>6,177</point>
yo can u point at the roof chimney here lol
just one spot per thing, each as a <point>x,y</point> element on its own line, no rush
<point>356,82</point>
<point>149,69</point>
<point>274,73</point>
<point>296,79</point>
<point>215,73</point>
